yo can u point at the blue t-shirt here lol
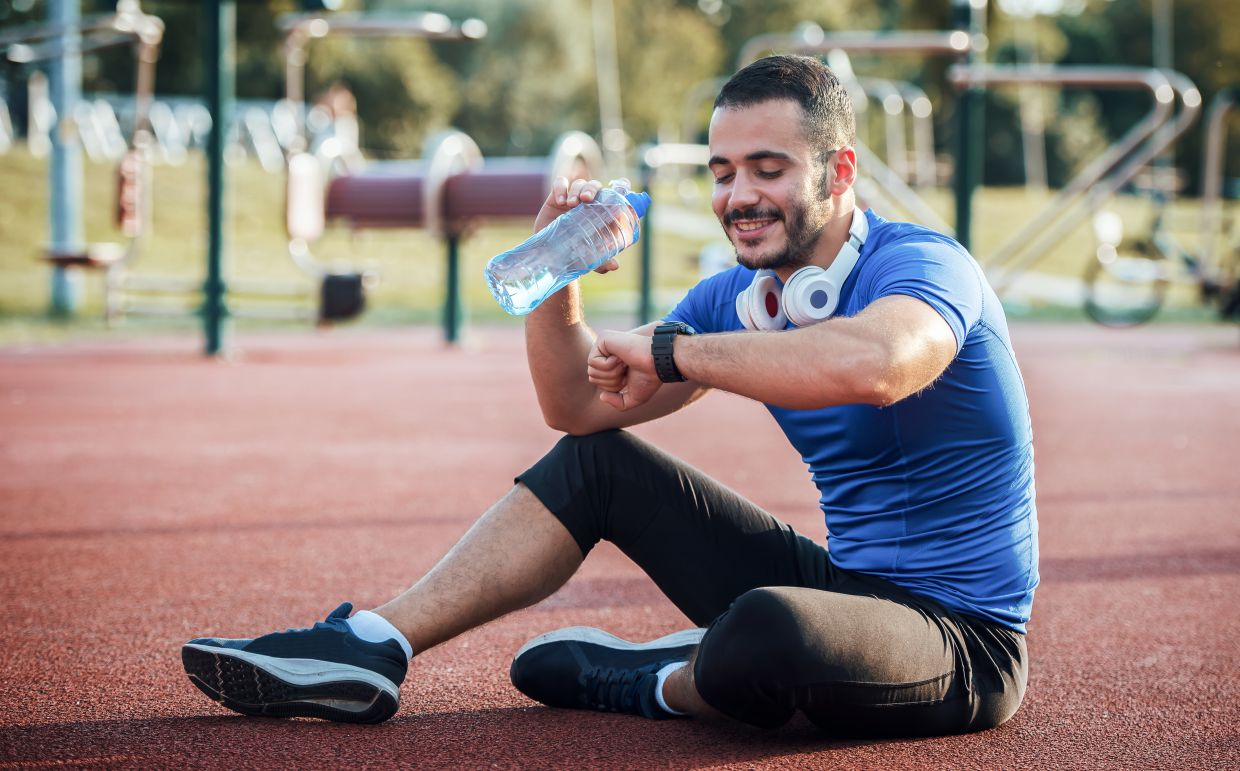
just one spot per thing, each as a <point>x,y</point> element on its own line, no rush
<point>935,492</point>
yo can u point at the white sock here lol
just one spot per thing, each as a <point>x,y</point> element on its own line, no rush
<point>663,674</point>
<point>372,627</point>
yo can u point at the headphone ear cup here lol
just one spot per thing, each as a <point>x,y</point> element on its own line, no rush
<point>810,296</point>
<point>742,309</point>
<point>759,307</point>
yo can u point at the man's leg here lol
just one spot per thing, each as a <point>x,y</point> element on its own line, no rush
<point>516,554</point>
<point>857,654</point>
<point>700,542</point>
<point>866,659</point>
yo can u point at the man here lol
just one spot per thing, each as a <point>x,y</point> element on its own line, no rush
<point>907,406</point>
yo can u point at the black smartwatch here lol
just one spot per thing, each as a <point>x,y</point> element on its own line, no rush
<point>661,349</point>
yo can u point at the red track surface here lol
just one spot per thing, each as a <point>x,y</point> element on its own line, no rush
<point>148,495</point>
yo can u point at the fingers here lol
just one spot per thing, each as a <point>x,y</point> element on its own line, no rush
<point>559,192</point>
<point>635,394</point>
<point>607,373</point>
<point>609,266</point>
<point>567,195</point>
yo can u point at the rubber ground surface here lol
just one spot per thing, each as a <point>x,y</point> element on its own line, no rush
<point>148,495</point>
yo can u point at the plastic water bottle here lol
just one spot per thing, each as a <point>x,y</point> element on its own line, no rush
<point>575,243</point>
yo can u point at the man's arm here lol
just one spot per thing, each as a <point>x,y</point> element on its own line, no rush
<point>894,348</point>
<point>558,342</point>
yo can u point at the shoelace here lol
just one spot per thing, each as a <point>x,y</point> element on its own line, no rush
<point>617,690</point>
<point>335,620</point>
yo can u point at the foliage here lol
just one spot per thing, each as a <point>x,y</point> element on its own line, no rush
<point>533,75</point>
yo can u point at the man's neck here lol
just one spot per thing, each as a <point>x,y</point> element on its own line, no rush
<point>832,240</point>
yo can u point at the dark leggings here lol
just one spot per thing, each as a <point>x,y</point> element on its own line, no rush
<point>788,630</point>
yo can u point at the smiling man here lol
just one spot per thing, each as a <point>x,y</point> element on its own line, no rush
<point>882,353</point>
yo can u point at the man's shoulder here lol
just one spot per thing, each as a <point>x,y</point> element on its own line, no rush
<point>890,235</point>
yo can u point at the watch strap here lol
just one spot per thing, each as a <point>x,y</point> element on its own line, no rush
<point>662,350</point>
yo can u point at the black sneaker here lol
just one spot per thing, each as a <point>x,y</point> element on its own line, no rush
<point>325,671</point>
<point>585,668</point>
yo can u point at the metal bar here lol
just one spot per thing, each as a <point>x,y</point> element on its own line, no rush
<point>219,26</point>
<point>434,26</point>
<point>271,288</point>
<point>607,80</point>
<point>1111,170</point>
<point>65,169</point>
<point>954,42</point>
<point>243,311</point>
<point>892,101</point>
<point>452,295</point>
<point>1212,171</point>
<point>922,110</point>
<point>905,196</point>
<point>55,28</point>
<point>674,154</point>
<point>132,284</point>
<point>970,113</point>
<point>646,288</point>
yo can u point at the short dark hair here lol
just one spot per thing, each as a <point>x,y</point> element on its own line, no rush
<point>829,122</point>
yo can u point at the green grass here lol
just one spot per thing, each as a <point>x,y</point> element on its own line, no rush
<point>410,263</point>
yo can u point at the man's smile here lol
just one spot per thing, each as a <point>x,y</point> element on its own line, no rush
<point>750,225</point>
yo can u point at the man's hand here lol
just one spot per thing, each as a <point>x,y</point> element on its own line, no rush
<point>565,196</point>
<point>621,367</point>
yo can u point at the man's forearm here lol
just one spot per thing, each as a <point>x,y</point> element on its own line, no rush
<point>557,342</point>
<point>798,369</point>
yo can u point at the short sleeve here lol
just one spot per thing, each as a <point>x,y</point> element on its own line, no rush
<point>939,273</point>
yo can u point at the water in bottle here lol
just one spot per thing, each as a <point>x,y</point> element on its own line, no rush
<point>574,244</point>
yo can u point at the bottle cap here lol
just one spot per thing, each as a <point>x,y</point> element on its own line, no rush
<point>639,201</point>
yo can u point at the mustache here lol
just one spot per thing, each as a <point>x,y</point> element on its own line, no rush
<point>752,213</point>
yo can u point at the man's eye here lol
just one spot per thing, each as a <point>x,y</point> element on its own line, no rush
<point>769,174</point>
<point>723,179</point>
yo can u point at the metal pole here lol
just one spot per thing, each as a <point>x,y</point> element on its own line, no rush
<point>219,25</point>
<point>969,16</point>
<point>452,305</point>
<point>1164,59</point>
<point>644,304</point>
<point>607,73</point>
<point>1032,122</point>
<point>65,172</point>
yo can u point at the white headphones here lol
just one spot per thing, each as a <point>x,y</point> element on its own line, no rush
<point>811,294</point>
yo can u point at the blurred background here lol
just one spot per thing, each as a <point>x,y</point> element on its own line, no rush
<point>1103,125</point>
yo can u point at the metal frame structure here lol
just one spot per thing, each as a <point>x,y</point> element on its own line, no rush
<point>1110,171</point>
<point>300,29</point>
<point>1160,259</point>
<point>963,44</point>
<point>1212,171</point>
<point>62,42</point>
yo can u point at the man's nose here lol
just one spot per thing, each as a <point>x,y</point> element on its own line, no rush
<point>744,194</point>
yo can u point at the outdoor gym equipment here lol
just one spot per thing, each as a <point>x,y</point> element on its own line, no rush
<point>446,193</point>
<point>1107,173</point>
<point>61,42</point>
<point>1129,288</point>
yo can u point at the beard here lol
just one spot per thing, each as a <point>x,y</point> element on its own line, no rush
<point>804,223</point>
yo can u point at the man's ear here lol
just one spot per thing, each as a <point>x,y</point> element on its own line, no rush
<point>844,164</point>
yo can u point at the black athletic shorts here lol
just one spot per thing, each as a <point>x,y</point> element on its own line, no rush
<point>788,630</point>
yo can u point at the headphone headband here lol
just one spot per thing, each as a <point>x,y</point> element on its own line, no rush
<point>850,252</point>
<point>810,295</point>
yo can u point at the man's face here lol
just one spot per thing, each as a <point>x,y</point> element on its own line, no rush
<point>770,188</point>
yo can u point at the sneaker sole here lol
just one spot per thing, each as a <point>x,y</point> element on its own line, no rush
<point>594,636</point>
<point>264,686</point>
